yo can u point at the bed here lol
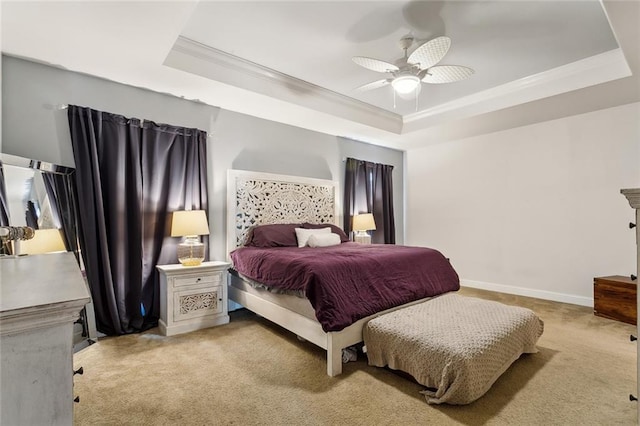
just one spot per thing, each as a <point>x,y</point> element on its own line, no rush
<point>262,199</point>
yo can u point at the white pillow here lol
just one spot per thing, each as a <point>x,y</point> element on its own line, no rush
<point>303,234</point>
<point>323,240</point>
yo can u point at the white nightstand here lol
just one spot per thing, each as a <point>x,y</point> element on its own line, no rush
<point>192,297</point>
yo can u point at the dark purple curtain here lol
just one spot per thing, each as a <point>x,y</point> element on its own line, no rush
<point>130,175</point>
<point>62,199</point>
<point>5,248</point>
<point>369,189</point>
<point>31,215</point>
<point>4,202</point>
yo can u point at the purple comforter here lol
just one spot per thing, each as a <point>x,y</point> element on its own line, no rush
<point>350,281</point>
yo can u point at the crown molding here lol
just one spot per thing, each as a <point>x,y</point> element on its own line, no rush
<point>601,68</point>
<point>197,58</point>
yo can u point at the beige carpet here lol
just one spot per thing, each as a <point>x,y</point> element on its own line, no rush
<point>252,372</point>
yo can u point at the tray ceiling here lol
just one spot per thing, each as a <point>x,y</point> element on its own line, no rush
<point>268,58</point>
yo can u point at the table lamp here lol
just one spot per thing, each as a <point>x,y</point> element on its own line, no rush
<point>361,224</point>
<point>190,224</point>
<point>43,241</point>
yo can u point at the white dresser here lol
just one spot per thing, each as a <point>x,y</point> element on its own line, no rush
<point>192,297</point>
<point>41,296</point>
<point>633,196</point>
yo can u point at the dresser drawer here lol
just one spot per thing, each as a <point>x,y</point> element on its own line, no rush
<point>210,278</point>
<point>614,297</point>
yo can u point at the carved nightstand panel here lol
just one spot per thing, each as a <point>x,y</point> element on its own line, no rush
<point>196,303</point>
<point>192,297</point>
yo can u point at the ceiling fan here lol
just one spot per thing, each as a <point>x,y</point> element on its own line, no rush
<point>408,72</point>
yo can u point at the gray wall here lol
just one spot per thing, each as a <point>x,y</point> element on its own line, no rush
<point>35,126</point>
<point>535,210</point>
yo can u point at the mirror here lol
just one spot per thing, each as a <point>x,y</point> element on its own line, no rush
<point>43,196</point>
<point>40,195</point>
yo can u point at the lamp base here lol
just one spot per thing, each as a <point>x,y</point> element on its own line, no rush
<point>362,237</point>
<point>190,252</point>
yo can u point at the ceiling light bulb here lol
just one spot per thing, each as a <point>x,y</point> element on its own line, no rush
<point>410,95</point>
<point>405,83</point>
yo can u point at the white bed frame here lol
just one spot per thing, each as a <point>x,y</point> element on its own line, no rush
<point>263,198</point>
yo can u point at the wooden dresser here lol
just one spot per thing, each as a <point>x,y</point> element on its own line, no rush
<point>615,297</point>
<point>40,298</point>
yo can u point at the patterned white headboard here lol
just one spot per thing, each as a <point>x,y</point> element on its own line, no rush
<point>263,198</point>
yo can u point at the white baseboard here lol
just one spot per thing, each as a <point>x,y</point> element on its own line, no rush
<point>529,292</point>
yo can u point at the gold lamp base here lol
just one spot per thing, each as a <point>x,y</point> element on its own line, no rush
<point>190,261</point>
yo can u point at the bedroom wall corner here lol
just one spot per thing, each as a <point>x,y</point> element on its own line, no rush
<point>35,126</point>
<point>245,142</point>
<point>34,97</point>
<point>534,210</point>
<point>376,154</point>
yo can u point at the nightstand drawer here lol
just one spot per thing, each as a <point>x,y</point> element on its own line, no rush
<point>188,304</point>
<point>210,278</point>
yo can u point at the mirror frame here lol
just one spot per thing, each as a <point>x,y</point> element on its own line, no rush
<point>14,160</point>
<point>45,167</point>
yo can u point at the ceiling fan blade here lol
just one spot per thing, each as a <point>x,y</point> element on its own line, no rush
<point>430,53</point>
<point>446,74</point>
<point>373,85</point>
<point>374,64</point>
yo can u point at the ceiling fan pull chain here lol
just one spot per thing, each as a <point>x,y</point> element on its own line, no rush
<point>394,99</point>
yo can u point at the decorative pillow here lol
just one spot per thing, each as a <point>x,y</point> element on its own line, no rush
<point>335,229</point>
<point>304,234</point>
<point>274,235</point>
<point>324,240</point>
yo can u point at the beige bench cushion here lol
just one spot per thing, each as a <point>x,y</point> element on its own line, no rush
<point>456,346</point>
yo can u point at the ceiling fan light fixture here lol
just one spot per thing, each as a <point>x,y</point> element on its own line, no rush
<point>407,74</point>
<point>410,95</point>
<point>405,83</point>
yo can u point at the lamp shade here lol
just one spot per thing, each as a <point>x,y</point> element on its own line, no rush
<point>188,223</point>
<point>364,222</point>
<point>43,241</point>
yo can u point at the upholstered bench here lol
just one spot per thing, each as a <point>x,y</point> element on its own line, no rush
<point>456,346</point>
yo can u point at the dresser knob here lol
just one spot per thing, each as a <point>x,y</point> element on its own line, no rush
<point>633,277</point>
<point>79,371</point>
<point>632,338</point>
<point>632,225</point>
<point>76,399</point>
